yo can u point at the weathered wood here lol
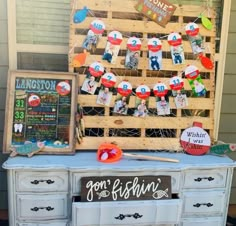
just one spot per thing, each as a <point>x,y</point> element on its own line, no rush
<point>128,131</point>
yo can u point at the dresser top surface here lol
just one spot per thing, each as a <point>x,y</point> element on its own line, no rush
<point>87,160</point>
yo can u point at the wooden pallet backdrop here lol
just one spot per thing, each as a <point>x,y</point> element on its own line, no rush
<point>153,132</point>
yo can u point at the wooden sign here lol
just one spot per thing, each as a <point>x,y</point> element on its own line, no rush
<point>159,11</point>
<point>115,188</point>
<point>40,108</point>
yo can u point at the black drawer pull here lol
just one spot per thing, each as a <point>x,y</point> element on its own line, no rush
<point>204,178</point>
<point>203,204</point>
<point>48,208</point>
<point>41,181</point>
<point>123,216</point>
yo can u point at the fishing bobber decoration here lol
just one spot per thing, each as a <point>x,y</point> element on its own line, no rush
<point>143,92</point>
<point>97,26</point>
<point>96,69</point>
<point>124,88</point>
<point>160,89</point>
<point>108,80</point>
<point>155,54</point>
<point>195,140</point>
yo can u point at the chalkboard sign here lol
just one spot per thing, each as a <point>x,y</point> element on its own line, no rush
<point>41,107</point>
<point>115,188</point>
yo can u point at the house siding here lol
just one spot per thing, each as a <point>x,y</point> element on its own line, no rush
<point>227,128</point>
<point>3,85</point>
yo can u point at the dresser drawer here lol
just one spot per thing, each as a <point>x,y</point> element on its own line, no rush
<point>55,223</point>
<point>205,178</point>
<point>41,181</point>
<point>76,178</point>
<point>41,207</point>
<point>126,213</point>
<point>204,203</point>
<point>212,221</point>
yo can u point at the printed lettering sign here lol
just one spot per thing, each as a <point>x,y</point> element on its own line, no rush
<point>125,188</point>
<point>41,108</point>
<point>159,11</point>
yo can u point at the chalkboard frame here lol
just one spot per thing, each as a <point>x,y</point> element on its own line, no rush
<point>72,78</point>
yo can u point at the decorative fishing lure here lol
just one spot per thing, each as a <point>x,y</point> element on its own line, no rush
<point>206,62</point>
<point>222,149</point>
<point>206,22</point>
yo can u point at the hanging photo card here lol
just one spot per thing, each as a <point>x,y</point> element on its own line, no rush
<point>141,107</point>
<point>90,84</point>
<point>197,86</point>
<point>133,53</point>
<point>104,96</point>
<point>176,48</point>
<point>91,40</point>
<point>41,108</point>
<point>163,105</point>
<point>121,104</point>
<point>155,54</point>
<point>158,11</point>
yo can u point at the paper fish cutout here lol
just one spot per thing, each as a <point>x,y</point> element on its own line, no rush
<point>222,149</point>
<point>206,22</point>
<point>206,62</point>
<point>79,59</point>
<point>28,149</point>
<point>80,15</point>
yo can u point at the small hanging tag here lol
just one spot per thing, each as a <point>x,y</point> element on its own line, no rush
<point>108,80</point>
<point>97,26</point>
<point>155,54</point>
<point>96,69</point>
<point>143,91</point>
<point>104,96</point>
<point>195,140</point>
<point>134,44</point>
<point>124,88</point>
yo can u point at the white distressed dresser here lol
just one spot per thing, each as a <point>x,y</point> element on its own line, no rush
<point>41,191</point>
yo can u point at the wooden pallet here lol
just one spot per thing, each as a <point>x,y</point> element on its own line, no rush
<point>153,132</point>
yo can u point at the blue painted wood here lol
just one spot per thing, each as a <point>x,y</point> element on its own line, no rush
<point>87,160</point>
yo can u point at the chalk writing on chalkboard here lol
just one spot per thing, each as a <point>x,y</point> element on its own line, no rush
<point>42,111</point>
